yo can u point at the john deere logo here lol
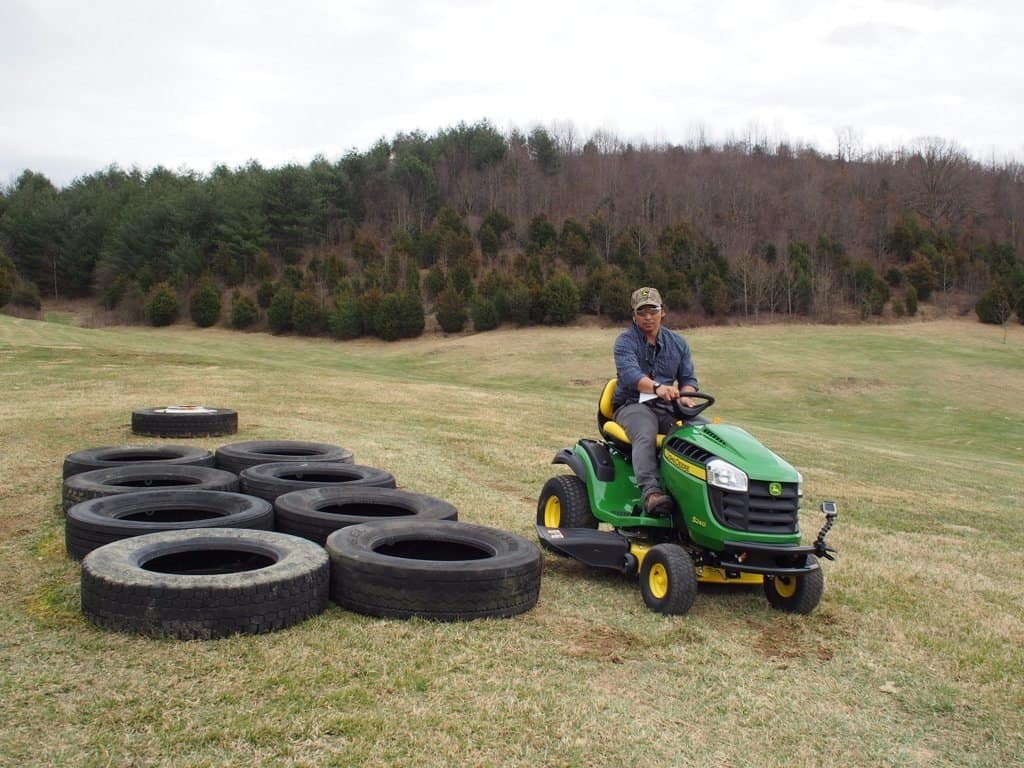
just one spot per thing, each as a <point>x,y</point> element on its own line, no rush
<point>775,489</point>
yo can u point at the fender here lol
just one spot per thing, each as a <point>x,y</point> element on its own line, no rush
<point>596,454</point>
<point>574,462</point>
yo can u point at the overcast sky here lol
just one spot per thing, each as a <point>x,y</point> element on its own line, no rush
<point>185,84</point>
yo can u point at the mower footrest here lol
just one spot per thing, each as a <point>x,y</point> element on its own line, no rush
<point>601,549</point>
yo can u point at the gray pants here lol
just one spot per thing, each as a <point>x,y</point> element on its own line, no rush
<point>642,424</point>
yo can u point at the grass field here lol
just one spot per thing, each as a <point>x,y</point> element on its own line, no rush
<point>914,657</point>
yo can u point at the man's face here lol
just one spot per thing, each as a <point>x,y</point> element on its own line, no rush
<point>649,318</point>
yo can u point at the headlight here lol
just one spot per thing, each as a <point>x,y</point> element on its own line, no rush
<point>799,485</point>
<point>724,475</point>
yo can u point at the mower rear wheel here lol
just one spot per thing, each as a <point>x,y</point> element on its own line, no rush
<point>564,504</point>
<point>796,594</point>
<point>668,580</point>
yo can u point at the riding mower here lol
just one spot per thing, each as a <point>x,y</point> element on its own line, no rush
<point>736,516</point>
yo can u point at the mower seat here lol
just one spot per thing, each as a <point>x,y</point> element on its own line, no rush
<point>606,424</point>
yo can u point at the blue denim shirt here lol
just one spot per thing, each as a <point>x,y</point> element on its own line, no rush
<point>665,361</point>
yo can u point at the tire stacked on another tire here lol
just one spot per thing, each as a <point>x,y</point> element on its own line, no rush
<point>236,457</point>
<point>184,421</point>
<point>110,456</point>
<point>140,477</point>
<point>99,521</point>
<point>316,513</point>
<point>268,481</point>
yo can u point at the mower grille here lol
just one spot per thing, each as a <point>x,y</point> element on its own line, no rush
<point>757,511</point>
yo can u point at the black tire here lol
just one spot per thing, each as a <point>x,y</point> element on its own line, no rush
<point>564,503</point>
<point>204,583</point>
<point>184,421</point>
<point>100,521</point>
<point>668,580</point>
<point>238,456</point>
<point>796,594</point>
<point>445,571</point>
<point>144,477</point>
<point>122,455</point>
<point>316,513</point>
<point>268,481</point>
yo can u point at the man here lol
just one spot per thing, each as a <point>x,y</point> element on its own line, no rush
<point>654,367</point>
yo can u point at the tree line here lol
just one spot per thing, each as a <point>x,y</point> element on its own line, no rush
<point>479,227</point>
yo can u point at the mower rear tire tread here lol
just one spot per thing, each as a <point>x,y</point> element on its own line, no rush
<point>570,493</point>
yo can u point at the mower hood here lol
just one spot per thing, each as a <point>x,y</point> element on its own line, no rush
<point>741,449</point>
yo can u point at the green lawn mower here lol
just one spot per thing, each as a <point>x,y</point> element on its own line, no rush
<point>736,518</point>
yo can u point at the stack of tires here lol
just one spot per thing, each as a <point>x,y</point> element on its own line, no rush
<point>260,535</point>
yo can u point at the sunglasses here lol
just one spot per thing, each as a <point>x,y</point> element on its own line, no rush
<point>648,311</point>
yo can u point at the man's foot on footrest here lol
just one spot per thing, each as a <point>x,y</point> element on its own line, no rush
<point>658,503</point>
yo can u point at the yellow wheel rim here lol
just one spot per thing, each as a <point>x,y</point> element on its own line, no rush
<point>552,512</point>
<point>657,581</point>
<point>785,586</point>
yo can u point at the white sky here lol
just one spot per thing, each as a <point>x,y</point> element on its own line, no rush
<point>194,83</point>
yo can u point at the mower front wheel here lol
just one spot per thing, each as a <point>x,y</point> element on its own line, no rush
<point>796,594</point>
<point>668,580</point>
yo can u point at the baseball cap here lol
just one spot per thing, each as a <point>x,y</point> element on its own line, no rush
<point>643,297</point>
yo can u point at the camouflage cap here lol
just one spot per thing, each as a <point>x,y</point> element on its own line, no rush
<point>645,296</point>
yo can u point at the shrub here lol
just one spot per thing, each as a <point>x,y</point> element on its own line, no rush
<point>411,315</point>
<point>279,313</point>
<point>451,311</point>
<point>25,294</point>
<point>265,294</point>
<point>520,303</point>
<point>204,306</point>
<point>243,311</point>
<point>389,318</point>
<point>369,304</point>
<point>921,275</point>
<point>912,301</point>
<point>344,322</point>
<point>7,275</point>
<point>994,305</point>
<point>714,295</point>
<point>561,299</point>
<point>307,316</point>
<point>162,305</point>
<point>677,299</point>
<point>433,283</point>
<point>899,308</point>
<point>484,314</point>
<point>6,287</point>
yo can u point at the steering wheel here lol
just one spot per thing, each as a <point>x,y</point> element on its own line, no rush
<point>687,412</point>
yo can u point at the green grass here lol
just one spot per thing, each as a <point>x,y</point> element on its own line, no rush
<point>913,659</point>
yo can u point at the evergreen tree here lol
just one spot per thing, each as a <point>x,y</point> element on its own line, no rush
<point>279,313</point>
<point>344,322</point>
<point>561,300</point>
<point>243,311</point>
<point>204,307</point>
<point>484,314</point>
<point>162,305</point>
<point>451,311</point>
